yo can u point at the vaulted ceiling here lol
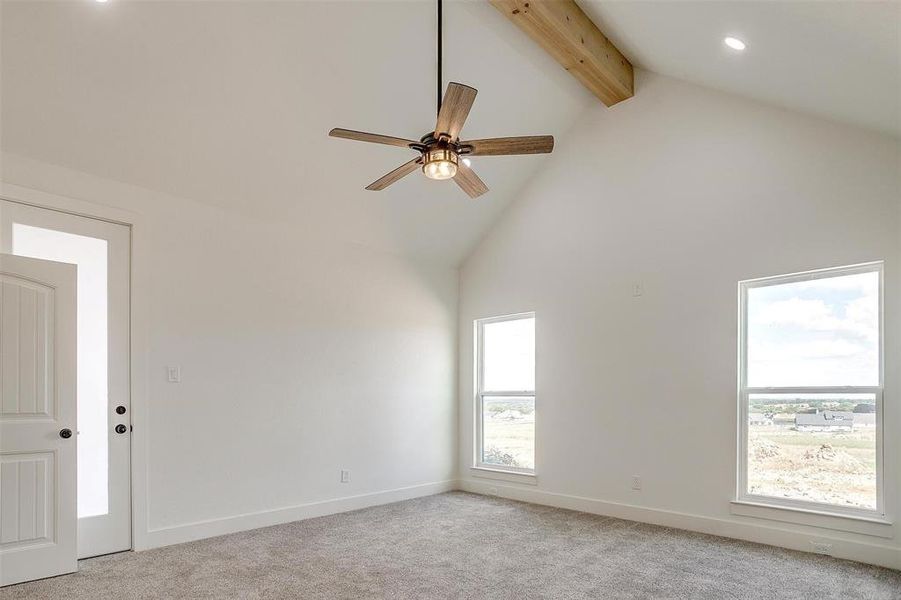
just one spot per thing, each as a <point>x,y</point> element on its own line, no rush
<point>837,59</point>
<point>230,103</point>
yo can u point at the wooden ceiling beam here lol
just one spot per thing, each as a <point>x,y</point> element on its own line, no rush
<point>567,34</point>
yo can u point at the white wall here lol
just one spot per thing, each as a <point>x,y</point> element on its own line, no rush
<point>687,191</point>
<point>300,357</point>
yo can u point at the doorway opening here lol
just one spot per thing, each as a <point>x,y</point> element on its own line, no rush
<point>101,252</point>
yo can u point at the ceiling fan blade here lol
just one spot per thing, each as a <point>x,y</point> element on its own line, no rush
<point>529,144</point>
<point>469,182</point>
<point>455,107</point>
<point>362,136</point>
<point>398,173</point>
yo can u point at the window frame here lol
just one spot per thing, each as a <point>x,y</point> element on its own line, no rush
<point>480,393</point>
<point>744,392</point>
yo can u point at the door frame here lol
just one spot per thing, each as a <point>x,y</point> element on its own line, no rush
<point>138,333</point>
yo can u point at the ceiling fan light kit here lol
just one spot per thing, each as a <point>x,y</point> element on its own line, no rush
<point>440,163</point>
<point>440,151</point>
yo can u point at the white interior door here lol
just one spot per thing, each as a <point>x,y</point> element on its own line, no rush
<point>38,447</point>
<point>101,250</point>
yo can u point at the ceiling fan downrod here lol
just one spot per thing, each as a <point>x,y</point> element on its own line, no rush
<point>440,86</point>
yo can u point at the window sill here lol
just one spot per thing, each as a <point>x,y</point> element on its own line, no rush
<point>502,475</point>
<point>865,525</point>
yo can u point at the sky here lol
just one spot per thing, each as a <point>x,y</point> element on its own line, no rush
<point>820,332</point>
<point>509,355</point>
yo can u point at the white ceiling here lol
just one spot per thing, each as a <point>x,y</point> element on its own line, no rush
<point>230,104</point>
<point>837,59</point>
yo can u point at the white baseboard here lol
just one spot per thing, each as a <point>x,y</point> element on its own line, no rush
<point>188,532</point>
<point>872,553</point>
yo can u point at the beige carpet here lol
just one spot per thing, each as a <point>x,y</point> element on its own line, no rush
<point>461,545</point>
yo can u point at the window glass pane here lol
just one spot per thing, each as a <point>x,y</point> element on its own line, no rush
<point>813,447</point>
<point>822,332</point>
<point>508,426</point>
<point>90,254</point>
<point>509,355</point>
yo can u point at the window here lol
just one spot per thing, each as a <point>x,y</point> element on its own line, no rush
<point>811,391</point>
<point>505,393</point>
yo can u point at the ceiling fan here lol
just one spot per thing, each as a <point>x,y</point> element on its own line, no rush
<point>441,152</point>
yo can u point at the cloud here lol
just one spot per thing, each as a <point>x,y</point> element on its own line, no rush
<point>814,349</point>
<point>860,318</point>
<point>818,332</point>
<point>813,363</point>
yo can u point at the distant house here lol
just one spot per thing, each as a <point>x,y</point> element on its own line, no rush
<point>760,419</point>
<point>865,419</point>
<point>827,420</point>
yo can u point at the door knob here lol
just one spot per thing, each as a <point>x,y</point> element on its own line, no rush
<point>65,433</point>
<point>120,428</point>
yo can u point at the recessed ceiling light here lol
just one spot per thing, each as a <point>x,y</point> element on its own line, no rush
<point>101,1</point>
<point>734,43</point>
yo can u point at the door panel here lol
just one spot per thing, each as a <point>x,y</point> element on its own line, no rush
<point>26,493</point>
<point>38,523</point>
<point>25,346</point>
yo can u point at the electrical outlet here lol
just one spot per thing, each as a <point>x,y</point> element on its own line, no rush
<point>637,289</point>
<point>173,374</point>
<point>345,476</point>
<point>821,548</point>
<point>636,482</point>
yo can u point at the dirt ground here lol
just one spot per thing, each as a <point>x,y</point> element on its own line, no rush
<point>829,467</point>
